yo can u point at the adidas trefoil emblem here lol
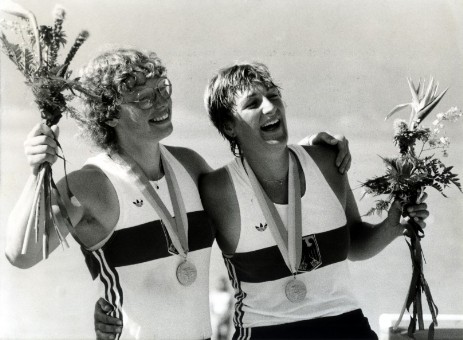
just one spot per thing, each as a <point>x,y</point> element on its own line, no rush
<point>138,203</point>
<point>261,227</point>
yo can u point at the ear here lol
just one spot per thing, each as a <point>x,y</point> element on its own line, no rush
<point>229,129</point>
<point>112,122</point>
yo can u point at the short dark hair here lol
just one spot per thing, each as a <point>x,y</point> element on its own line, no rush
<point>221,91</point>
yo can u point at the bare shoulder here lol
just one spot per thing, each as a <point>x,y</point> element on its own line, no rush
<point>325,158</point>
<point>323,155</point>
<point>220,203</point>
<point>89,184</point>
<point>95,210</point>
<point>193,162</point>
<point>215,185</point>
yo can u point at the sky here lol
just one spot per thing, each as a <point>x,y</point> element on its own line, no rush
<point>342,66</point>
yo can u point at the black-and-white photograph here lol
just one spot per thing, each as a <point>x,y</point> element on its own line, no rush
<point>248,169</point>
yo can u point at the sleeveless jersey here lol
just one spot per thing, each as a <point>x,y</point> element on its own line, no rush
<point>136,270</point>
<point>258,271</point>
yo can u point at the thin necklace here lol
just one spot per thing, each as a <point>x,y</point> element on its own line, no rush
<point>276,181</point>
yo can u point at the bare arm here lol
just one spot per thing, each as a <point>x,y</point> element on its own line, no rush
<point>39,147</point>
<point>367,239</point>
<point>220,203</point>
<point>93,211</point>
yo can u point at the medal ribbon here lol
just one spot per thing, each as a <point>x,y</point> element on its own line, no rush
<point>288,239</point>
<point>177,227</point>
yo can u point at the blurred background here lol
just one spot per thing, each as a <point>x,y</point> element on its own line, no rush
<point>342,66</point>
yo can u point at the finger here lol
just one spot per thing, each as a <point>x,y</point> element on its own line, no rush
<point>417,207</point>
<point>395,211</point>
<point>35,160</point>
<point>104,336</point>
<point>345,164</point>
<point>40,140</point>
<point>324,138</point>
<point>349,162</point>
<point>343,147</point>
<point>419,215</point>
<point>108,328</point>
<point>55,130</point>
<point>31,150</point>
<point>41,129</point>
<point>422,198</point>
<point>342,153</point>
<point>104,306</point>
<point>35,131</point>
<point>107,319</point>
<point>421,223</point>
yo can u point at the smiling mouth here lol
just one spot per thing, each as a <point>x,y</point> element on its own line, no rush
<point>159,119</point>
<point>271,125</point>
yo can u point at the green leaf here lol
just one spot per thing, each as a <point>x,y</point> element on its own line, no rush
<point>424,112</point>
<point>29,62</point>
<point>14,52</point>
<point>412,90</point>
<point>396,109</point>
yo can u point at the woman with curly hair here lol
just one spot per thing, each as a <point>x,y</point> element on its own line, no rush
<point>153,269</point>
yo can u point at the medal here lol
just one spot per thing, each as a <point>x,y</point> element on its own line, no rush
<point>289,239</point>
<point>176,227</point>
<point>186,273</point>
<point>295,290</point>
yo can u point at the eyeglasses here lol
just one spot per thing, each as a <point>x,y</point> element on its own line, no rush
<point>148,96</point>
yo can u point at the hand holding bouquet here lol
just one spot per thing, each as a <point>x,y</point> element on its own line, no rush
<point>409,174</point>
<point>36,57</point>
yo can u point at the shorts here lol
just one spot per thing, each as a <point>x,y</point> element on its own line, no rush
<point>351,325</point>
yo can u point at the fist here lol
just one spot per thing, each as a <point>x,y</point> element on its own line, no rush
<point>41,146</point>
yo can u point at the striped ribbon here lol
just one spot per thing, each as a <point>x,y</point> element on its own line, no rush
<point>177,227</point>
<point>289,238</point>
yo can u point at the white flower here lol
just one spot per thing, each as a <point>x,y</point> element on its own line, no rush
<point>59,12</point>
<point>453,114</point>
<point>445,141</point>
<point>423,101</point>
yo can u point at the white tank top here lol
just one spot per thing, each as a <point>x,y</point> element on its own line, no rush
<point>257,269</point>
<point>136,271</point>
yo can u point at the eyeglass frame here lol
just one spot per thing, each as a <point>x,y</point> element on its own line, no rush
<point>155,90</point>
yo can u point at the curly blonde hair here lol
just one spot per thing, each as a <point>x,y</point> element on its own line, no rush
<point>105,78</point>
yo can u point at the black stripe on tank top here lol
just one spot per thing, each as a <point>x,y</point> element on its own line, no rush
<point>267,264</point>
<point>149,241</point>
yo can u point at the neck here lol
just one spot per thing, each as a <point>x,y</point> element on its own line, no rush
<point>148,158</point>
<point>270,167</point>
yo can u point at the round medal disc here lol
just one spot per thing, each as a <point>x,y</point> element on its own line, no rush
<point>186,273</point>
<point>295,290</point>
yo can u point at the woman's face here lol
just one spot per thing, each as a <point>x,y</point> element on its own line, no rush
<point>146,111</point>
<point>259,118</point>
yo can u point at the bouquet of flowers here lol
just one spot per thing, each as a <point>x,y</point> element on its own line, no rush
<point>409,174</point>
<point>36,57</point>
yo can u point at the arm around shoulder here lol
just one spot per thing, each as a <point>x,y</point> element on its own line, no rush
<point>220,203</point>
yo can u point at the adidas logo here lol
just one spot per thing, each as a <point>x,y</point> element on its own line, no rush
<point>138,203</point>
<point>261,227</point>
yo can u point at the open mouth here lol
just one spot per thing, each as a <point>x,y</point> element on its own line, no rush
<point>160,119</point>
<point>271,125</point>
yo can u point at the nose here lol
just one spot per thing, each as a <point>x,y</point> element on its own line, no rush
<point>267,106</point>
<point>160,102</point>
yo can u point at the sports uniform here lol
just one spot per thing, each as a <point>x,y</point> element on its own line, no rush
<point>259,274</point>
<point>136,268</point>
